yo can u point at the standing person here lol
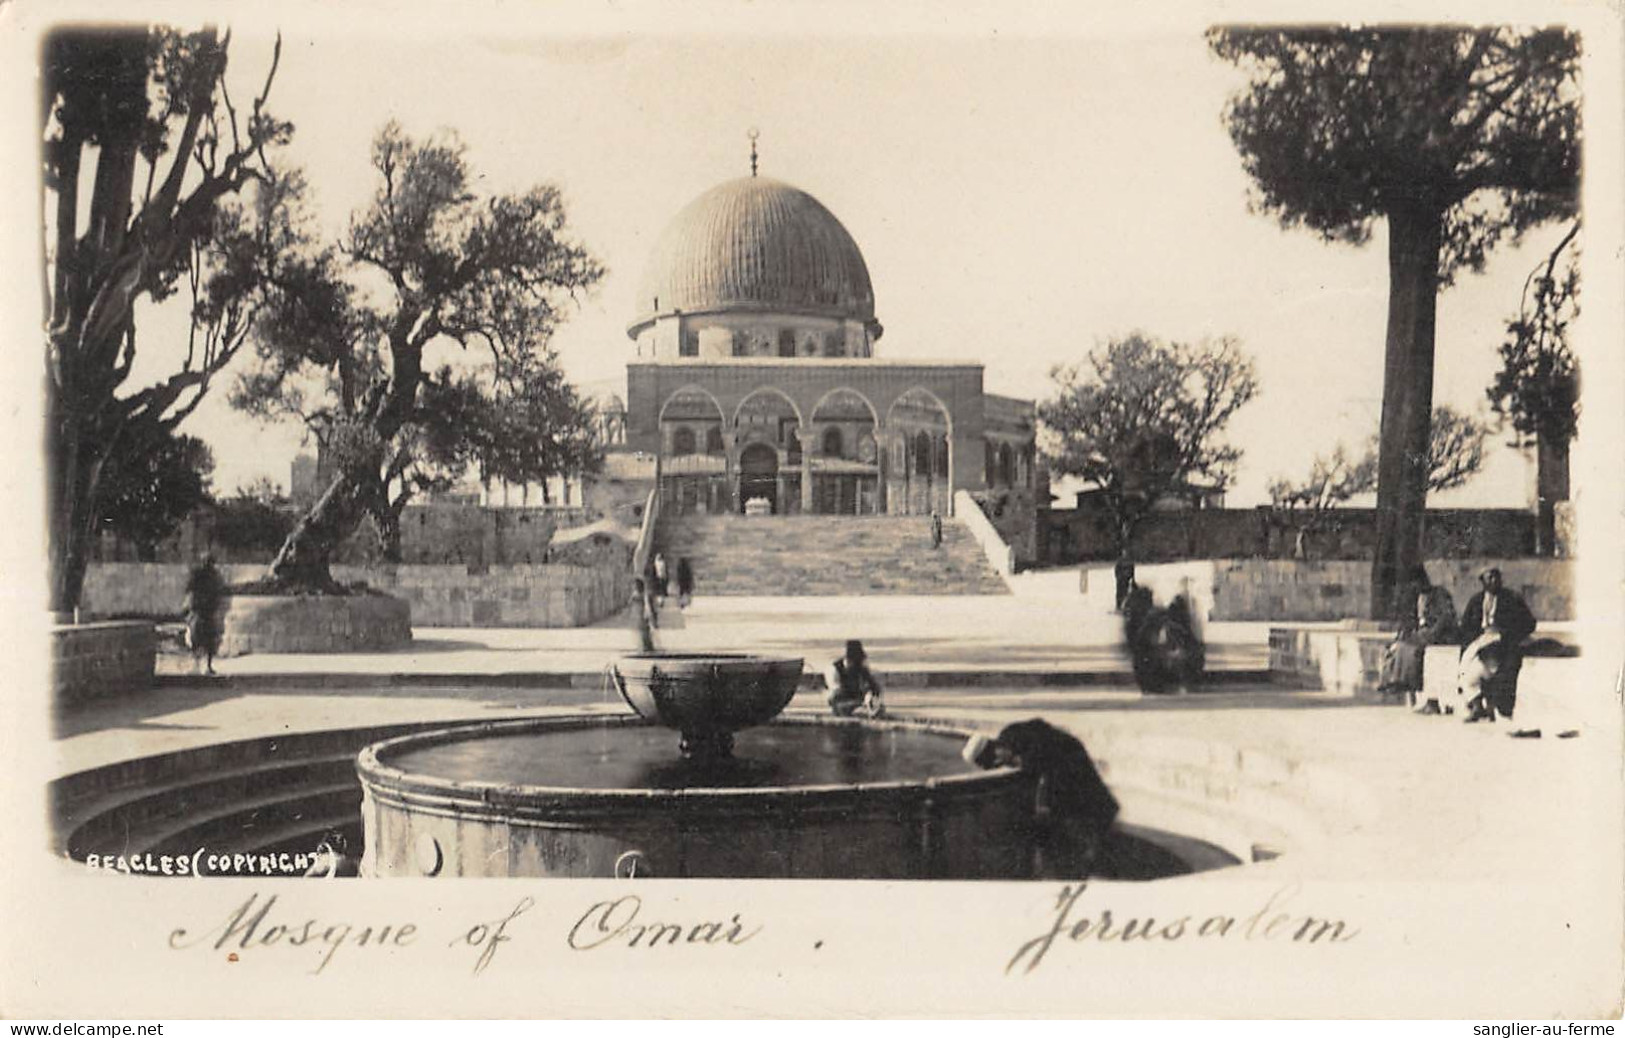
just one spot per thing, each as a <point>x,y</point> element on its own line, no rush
<point>205,591</point>
<point>936,529</point>
<point>853,687</point>
<point>685,582</point>
<point>1493,628</point>
<point>1124,572</point>
<point>660,576</point>
<point>1076,809</point>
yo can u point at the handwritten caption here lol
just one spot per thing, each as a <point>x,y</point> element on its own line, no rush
<point>261,925</point>
<point>264,926</point>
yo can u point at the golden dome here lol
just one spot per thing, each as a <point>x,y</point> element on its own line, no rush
<point>758,245</point>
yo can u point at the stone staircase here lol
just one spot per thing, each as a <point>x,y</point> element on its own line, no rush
<point>827,555</point>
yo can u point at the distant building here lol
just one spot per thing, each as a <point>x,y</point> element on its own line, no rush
<point>757,380</point>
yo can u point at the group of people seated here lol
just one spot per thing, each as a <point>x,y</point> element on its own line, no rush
<point>1491,633</point>
<point>1166,650</point>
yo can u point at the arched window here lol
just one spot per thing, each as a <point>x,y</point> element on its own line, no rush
<point>989,462</point>
<point>922,454</point>
<point>942,455</point>
<point>832,441</point>
<point>1007,465</point>
<point>713,440</point>
<point>682,441</point>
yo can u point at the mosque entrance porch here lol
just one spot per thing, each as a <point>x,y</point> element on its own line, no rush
<point>759,479</point>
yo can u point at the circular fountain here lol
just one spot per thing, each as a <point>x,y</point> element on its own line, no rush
<point>741,796</point>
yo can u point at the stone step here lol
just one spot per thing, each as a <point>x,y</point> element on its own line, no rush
<point>827,555</point>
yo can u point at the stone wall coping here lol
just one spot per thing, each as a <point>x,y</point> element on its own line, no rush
<point>90,626</point>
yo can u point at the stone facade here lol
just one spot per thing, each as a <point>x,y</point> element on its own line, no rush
<point>439,596</point>
<point>314,623</point>
<point>1283,589</point>
<point>94,660</point>
<point>1077,535</point>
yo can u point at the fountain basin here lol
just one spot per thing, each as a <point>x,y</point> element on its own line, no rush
<point>815,798</point>
<point>706,696</point>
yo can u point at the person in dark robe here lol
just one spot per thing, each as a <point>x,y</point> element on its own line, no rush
<point>1494,627</point>
<point>1162,643</point>
<point>1432,621</point>
<point>936,529</point>
<point>1075,809</point>
<point>853,687</point>
<point>205,593</point>
<point>685,582</point>
<point>1123,571</point>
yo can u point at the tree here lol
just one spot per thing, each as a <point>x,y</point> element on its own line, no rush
<point>1537,389</point>
<point>146,490</point>
<point>146,106</point>
<point>539,427</point>
<point>1455,454</point>
<point>347,326</point>
<point>1455,138</point>
<point>254,521</point>
<point>1141,417</point>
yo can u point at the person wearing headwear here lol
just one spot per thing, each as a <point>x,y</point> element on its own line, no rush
<point>1076,810</point>
<point>685,582</point>
<point>205,592</point>
<point>1432,621</point>
<point>1493,628</point>
<point>853,687</point>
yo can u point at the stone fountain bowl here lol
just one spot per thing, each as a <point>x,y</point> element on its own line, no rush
<point>706,696</point>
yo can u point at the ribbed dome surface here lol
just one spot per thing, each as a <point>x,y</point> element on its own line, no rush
<point>755,244</point>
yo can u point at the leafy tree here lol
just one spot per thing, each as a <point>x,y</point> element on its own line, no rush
<point>150,109</point>
<point>1456,138</point>
<point>343,344</point>
<point>253,522</point>
<point>1537,390</point>
<point>1455,454</point>
<point>1141,419</point>
<point>539,427</point>
<point>146,490</point>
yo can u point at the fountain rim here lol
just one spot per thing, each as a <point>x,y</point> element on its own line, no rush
<point>376,774</point>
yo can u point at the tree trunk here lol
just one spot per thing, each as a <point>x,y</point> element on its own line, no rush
<point>302,563</point>
<point>1551,487</point>
<point>1407,402</point>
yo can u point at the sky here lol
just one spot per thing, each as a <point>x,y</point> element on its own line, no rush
<point>1018,197</point>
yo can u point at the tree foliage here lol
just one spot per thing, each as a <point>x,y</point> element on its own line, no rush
<point>150,108</point>
<point>1141,418</point>
<point>1455,454</point>
<point>146,490</point>
<point>1339,128</point>
<point>343,346</point>
<point>1537,389</point>
<point>1457,138</point>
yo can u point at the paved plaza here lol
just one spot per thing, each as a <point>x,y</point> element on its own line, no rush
<point>1391,793</point>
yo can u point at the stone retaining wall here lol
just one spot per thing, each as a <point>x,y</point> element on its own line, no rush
<point>314,623</point>
<point>439,596</point>
<point>92,660</point>
<point>1290,590</point>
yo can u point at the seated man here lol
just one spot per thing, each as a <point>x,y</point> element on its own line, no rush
<point>1075,809</point>
<point>1493,629</point>
<point>853,687</point>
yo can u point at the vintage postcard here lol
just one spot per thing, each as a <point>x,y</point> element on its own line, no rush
<point>776,510</point>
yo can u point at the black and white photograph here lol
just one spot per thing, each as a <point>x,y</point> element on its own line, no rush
<point>778,510</point>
